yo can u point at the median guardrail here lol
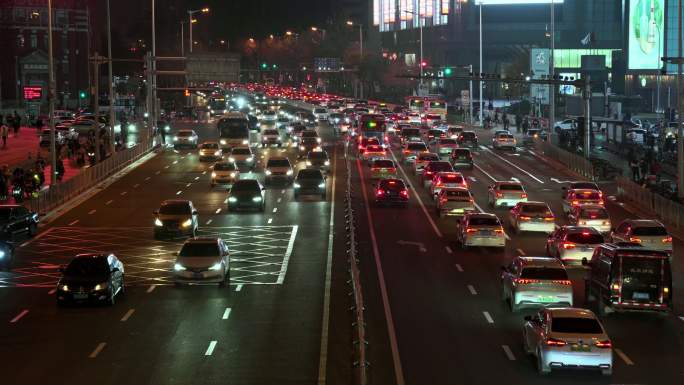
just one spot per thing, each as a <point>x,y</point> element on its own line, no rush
<point>60,193</point>
<point>572,161</point>
<point>669,212</point>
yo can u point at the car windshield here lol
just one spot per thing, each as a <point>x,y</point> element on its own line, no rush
<point>278,163</point>
<point>309,134</point>
<point>241,151</point>
<point>575,325</point>
<point>384,163</point>
<point>5,212</point>
<point>270,132</point>
<point>510,187</point>
<point>428,157</point>
<point>318,155</point>
<point>548,273</point>
<point>175,209</point>
<point>224,166</point>
<point>87,267</point>
<point>440,166</point>
<point>200,249</point>
<point>468,135</point>
<point>649,231</point>
<point>585,238</point>
<point>210,146</point>
<point>245,185</point>
<point>638,271</point>
<point>536,209</point>
<point>594,213</point>
<point>392,184</point>
<point>417,147</point>
<point>483,222</point>
<point>309,174</point>
<point>185,133</point>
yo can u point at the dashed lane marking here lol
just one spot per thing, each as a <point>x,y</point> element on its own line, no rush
<point>275,209</point>
<point>175,162</point>
<point>448,250</point>
<point>51,292</point>
<point>279,200</point>
<point>97,350</point>
<point>459,268</point>
<point>226,313</point>
<point>238,287</point>
<point>209,221</point>
<point>488,317</point>
<point>270,220</point>
<point>147,178</point>
<point>109,202</point>
<point>624,357</point>
<point>485,172</point>
<point>73,223</point>
<point>520,251</point>
<point>509,352</point>
<point>204,172</point>
<point>124,193</point>
<point>217,211</point>
<point>179,192</point>
<point>128,315</point>
<point>282,192</point>
<point>136,185</point>
<point>188,185</point>
<point>472,290</point>
<point>91,212</point>
<point>472,179</point>
<point>19,316</point>
<point>151,288</point>
<point>157,172</point>
<point>166,167</point>
<point>196,178</point>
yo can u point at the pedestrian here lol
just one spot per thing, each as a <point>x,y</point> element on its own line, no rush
<point>656,169</point>
<point>39,125</point>
<point>59,169</point>
<point>4,131</point>
<point>16,123</point>
<point>525,126</point>
<point>634,166</point>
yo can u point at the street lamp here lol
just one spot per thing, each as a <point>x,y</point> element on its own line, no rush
<point>321,30</point>
<point>351,24</point>
<point>191,21</point>
<point>420,24</point>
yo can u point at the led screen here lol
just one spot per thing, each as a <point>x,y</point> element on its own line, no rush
<point>646,22</point>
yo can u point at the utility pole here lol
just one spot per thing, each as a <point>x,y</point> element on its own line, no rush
<point>360,59</point>
<point>481,70</point>
<point>182,23</point>
<point>470,96</point>
<point>51,101</point>
<point>587,116</point>
<point>420,23</point>
<point>680,96</point>
<point>112,113</point>
<point>153,113</point>
<point>96,107</point>
<point>552,88</point>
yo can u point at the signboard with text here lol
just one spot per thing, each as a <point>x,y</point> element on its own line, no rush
<point>33,93</point>
<point>539,67</point>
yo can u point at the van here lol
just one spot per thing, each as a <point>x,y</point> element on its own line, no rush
<point>629,277</point>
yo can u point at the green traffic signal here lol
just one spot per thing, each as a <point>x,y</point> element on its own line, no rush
<point>264,65</point>
<point>275,66</point>
<point>82,94</point>
<point>447,71</point>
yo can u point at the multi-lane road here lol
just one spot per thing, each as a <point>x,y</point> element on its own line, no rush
<point>434,312</point>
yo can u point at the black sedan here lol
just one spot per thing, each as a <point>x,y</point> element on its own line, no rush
<point>91,278</point>
<point>246,193</point>
<point>391,191</point>
<point>309,182</point>
<point>16,220</point>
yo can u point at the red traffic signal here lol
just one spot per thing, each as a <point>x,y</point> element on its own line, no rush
<point>423,64</point>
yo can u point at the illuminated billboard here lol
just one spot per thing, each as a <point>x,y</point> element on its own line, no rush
<point>516,2</point>
<point>646,27</point>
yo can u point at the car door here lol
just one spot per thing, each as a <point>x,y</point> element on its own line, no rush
<point>534,330</point>
<point>115,272</point>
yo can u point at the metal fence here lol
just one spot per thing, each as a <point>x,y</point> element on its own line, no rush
<point>572,161</point>
<point>360,361</point>
<point>60,193</point>
<point>668,211</point>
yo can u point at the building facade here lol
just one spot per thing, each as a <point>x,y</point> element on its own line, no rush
<point>24,44</point>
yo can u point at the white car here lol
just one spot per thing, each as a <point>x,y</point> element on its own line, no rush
<point>278,168</point>
<point>243,156</point>
<point>481,229</point>
<point>506,193</point>
<point>185,138</point>
<point>320,114</point>
<point>203,260</point>
<point>532,216</point>
<point>270,136</point>
<point>210,151</point>
<point>224,173</point>
<point>535,282</point>
<point>567,337</point>
<point>504,141</point>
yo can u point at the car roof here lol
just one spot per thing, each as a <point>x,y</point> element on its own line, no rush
<point>175,202</point>
<point>530,261</point>
<point>278,158</point>
<point>644,223</point>
<point>581,229</point>
<point>482,215</point>
<point>202,240</point>
<point>570,312</point>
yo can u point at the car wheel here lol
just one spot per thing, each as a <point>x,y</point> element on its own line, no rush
<point>540,364</point>
<point>33,230</point>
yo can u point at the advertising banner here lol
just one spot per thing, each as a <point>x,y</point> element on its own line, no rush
<point>646,28</point>
<point>539,67</point>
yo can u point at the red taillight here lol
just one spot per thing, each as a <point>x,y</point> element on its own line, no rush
<point>667,239</point>
<point>523,195</point>
<point>555,342</point>
<point>404,193</point>
<point>569,245</point>
<point>524,218</point>
<point>565,282</point>
<point>498,231</point>
<point>380,193</point>
<point>470,231</point>
<point>525,281</point>
<point>499,195</point>
<point>428,172</point>
<point>635,239</point>
<point>575,203</point>
<point>439,183</point>
<point>603,344</point>
<point>549,219</point>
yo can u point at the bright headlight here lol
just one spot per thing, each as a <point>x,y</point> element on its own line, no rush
<point>256,199</point>
<point>64,288</point>
<point>296,185</point>
<point>223,142</point>
<point>158,222</point>
<point>327,163</point>
<point>167,128</point>
<point>175,138</point>
<point>232,175</point>
<point>245,141</point>
<point>318,140</point>
<point>302,148</point>
<point>187,223</point>
<point>347,120</point>
<point>308,163</point>
<point>131,127</point>
<point>100,286</point>
<point>251,158</point>
<point>178,267</point>
<point>268,172</point>
<point>216,266</point>
<point>213,174</point>
<point>289,172</point>
<point>232,199</point>
<point>322,185</point>
<point>217,153</point>
<point>2,254</point>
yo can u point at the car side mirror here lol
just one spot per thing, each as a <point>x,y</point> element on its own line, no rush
<point>528,318</point>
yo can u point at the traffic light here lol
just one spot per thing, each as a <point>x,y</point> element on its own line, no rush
<point>187,92</point>
<point>82,94</point>
<point>275,66</point>
<point>447,71</point>
<point>264,65</point>
<point>423,64</point>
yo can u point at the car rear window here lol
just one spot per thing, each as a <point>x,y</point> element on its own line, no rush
<point>457,193</point>
<point>505,136</point>
<point>510,187</point>
<point>196,249</point>
<point>483,222</point>
<point>586,239</point>
<point>374,147</point>
<point>429,157</point>
<point>575,325</point>
<point>650,231</point>
<point>537,210</point>
<point>548,273</point>
<point>594,213</point>
<point>309,134</point>
<point>462,153</point>
<point>320,110</point>
<point>440,166</point>
<point>417,147</point>
<point>383,163</point>
<point>395,184</point>
<point>452,178</point>
<point>587,195</point>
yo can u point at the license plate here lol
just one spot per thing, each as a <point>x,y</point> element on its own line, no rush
<point>485,232</point>
<point>547,299</point>
<point>197,275</point>
<point>80,296</point>
<point>638,295</point>
<point>581,348</point>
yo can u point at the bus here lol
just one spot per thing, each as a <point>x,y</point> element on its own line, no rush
<point>233,130</point>
<point>373,126</point>
<point>433,105</point>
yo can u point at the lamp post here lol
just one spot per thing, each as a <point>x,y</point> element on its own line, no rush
<point>182,23</point>
<point>481,70</point>
<point>420,24</point>
<point>552,88</point>
<point>190,21</point>
<point>112,114</point>
<point>351,24</point>
<point>51,100</point>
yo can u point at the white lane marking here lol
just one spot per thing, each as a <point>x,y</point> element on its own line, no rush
<point>472,290</point>
<point>270,220</point>
<point>459,268</point>
<point>123,193</point>
<point>109,202</point>
<point>280,199</point>
<point>509,352</point>
<point>398,372</point>
<point>282,191</point>
<point>226,200</point>
<point>226,313</point>
<point>175,162</point>
<point>97,350</point>
<point>196,178</point>
<point>179,192</point>
<point>73,223</point>
<point>217,211</point>
<point>51,292</point>
<point>19,316</point>
<point>472,179</point>
<point>681,318</point>
<point>166,166</point>
<point>624,357</point>
<point>128,315</point>
<point>485,172</point>
<point>516,166</point>
<point>288,254</point>
<point>136,185</point>
<point>91,212</point>
<point>157,172</point>
<point>151,288</point>
<point>415,193</point>
<point>209,221</point>
<point>147,178</point>
<point>488,317</point>
<point>238,287</point>
<point>275,209</point>
<point>520,251</point>
<point>448,250</point>
<point>204,172</point>
<point>188,185</point>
